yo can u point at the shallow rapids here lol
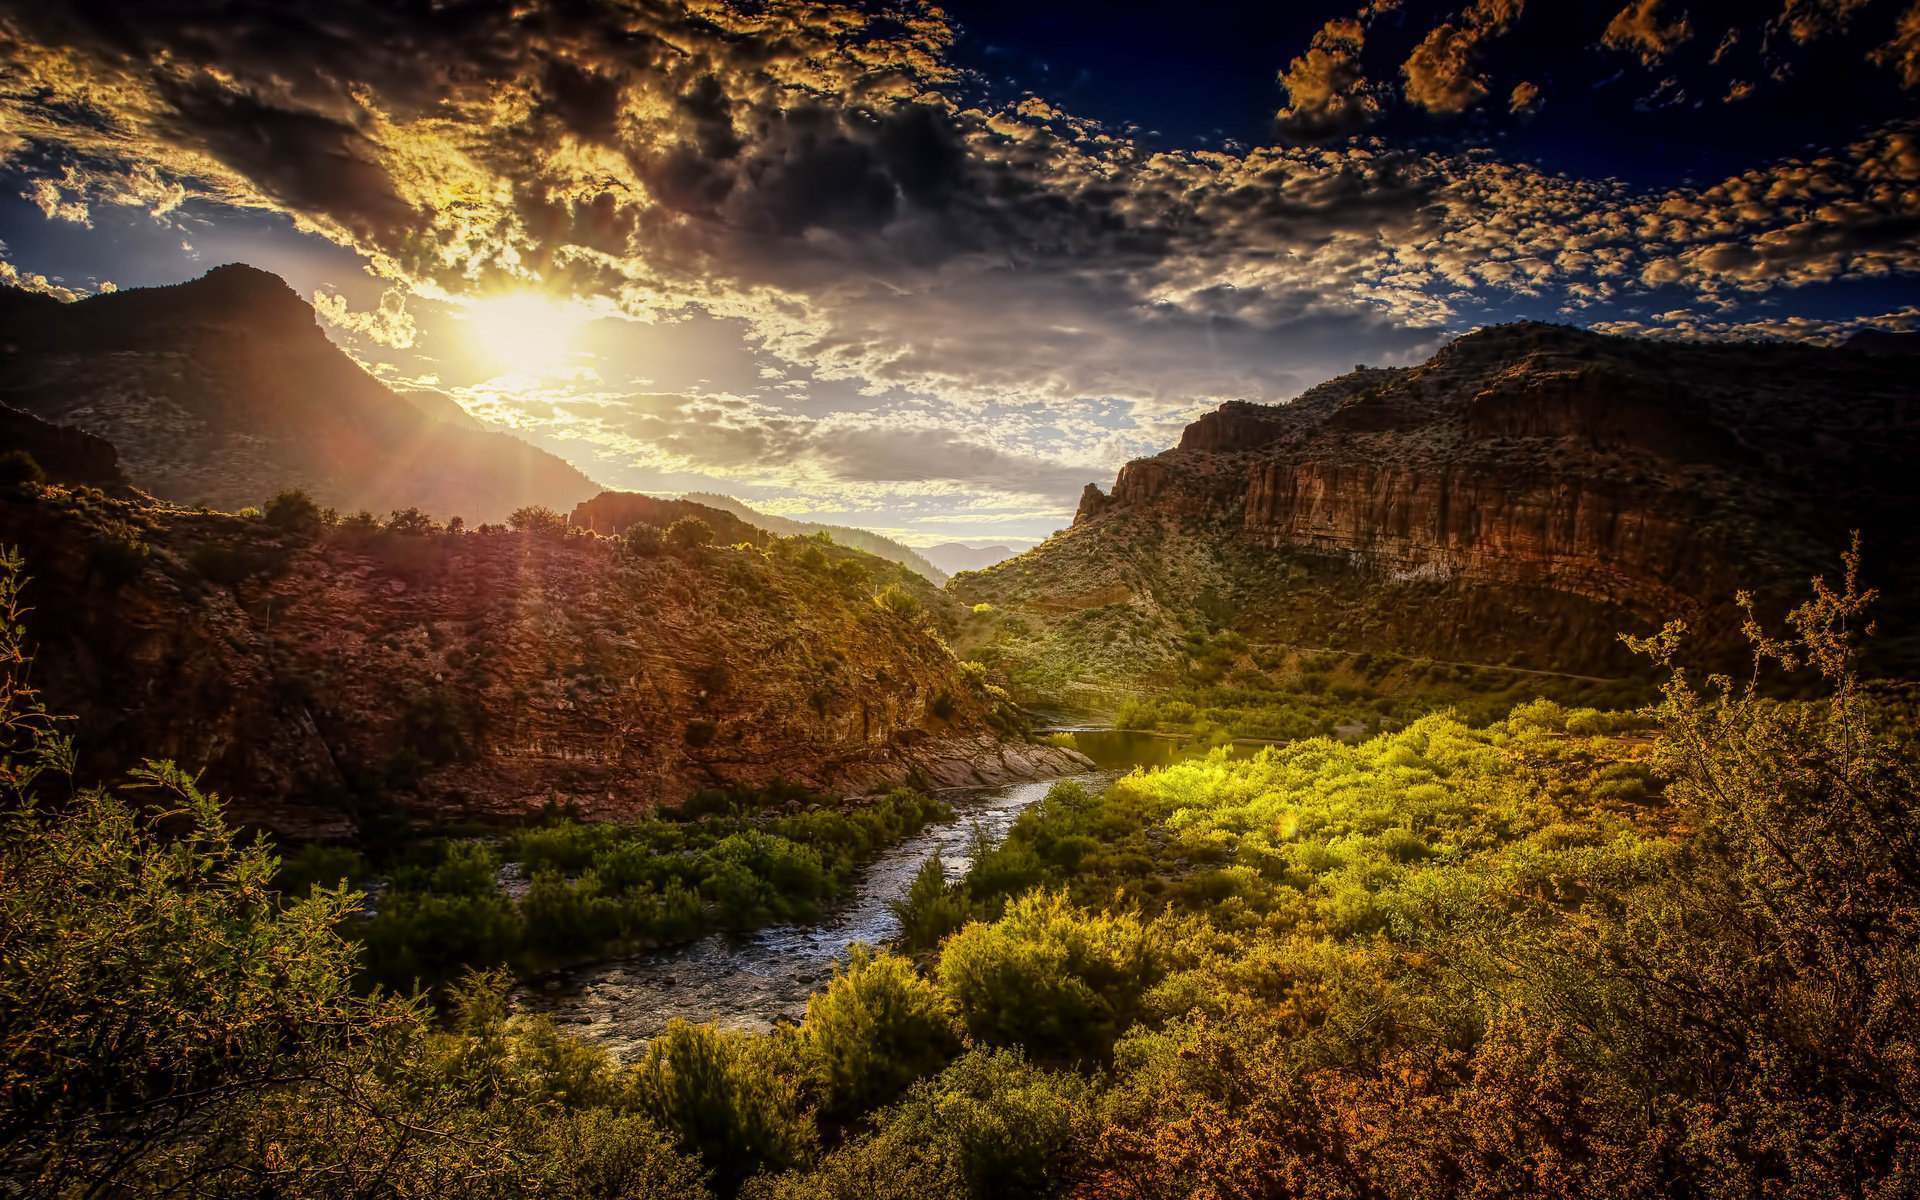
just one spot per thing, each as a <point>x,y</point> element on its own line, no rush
<point>750,980</point>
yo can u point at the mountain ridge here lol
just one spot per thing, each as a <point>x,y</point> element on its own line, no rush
<point>1523,497</point>
<point>873,543</point>
<point>224,390</point>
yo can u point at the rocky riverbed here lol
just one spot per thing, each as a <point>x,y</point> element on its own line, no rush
<point>750,981</point>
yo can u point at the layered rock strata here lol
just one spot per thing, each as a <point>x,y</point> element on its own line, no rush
<point>1526,494</point>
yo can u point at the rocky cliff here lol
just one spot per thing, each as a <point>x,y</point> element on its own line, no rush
<point>332,681</point>
<point>1522,497</point>
<point>224,390</point>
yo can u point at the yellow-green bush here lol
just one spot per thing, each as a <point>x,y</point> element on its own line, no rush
<point>876,1028</point>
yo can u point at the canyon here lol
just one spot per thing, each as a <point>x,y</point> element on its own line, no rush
<point>1522,498</point>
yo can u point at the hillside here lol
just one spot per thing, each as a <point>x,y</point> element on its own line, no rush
<point>335,680</point>
<point>1520,499</point>
<point>224,390</point>
<point>613,513</point>
<point>859,539</point>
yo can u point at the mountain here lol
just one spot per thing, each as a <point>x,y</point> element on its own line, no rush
<point>1521,498</point>
<point>861,539</point>
<point>613,513</point>
<point>224,390</point>
<point>1885,341</point>
<point>953,558</point>
<point>334,681</point>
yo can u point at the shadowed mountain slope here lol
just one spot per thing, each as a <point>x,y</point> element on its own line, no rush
<point>332,680</point>
<point>225,390</point>
<point>1521,498</point>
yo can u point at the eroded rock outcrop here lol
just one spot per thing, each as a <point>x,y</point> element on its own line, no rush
<point>1525,495</point>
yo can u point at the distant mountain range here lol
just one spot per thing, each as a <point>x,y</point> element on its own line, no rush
<point>224,390</point>
<point>859,539</point>
<point>1521,498</point>
<point>953,558</point>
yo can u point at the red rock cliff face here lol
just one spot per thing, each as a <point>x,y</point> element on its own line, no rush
<point>320,680</point>
<point>1531,489</point>
<point>1592,538</point>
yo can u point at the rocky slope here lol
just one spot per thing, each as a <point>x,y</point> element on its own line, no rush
<point>340,680</point>
<point>1520,498</point>
<point>224,390</point>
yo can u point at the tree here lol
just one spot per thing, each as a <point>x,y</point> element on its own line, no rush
<point>899,601</point>
<point>537,521</point>
<point>412,522</point>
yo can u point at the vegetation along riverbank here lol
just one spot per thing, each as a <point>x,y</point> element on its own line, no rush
<point>1591,963</point>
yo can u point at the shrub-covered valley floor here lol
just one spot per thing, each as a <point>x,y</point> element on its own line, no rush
<point>1567,951</point>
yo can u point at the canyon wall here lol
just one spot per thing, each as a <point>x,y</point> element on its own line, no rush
<point>1525,495</point>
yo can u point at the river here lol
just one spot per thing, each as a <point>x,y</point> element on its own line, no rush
<point>751,980</point>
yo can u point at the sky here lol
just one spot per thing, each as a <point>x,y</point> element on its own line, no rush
<point>931,271</point>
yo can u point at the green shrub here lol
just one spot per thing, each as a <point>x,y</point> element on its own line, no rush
<point>117,552</point>
<point>756,878</point>
<point>876,1028</point>
<point>317,866</point>
<point>992,1125</point>
<point>727,1098</point>
<point>149,976</point>
<point>427,939</point>
<point>1050,977</point>
<point>19,471</point>
<point>293,511</point>
<point>645,540</point>
<point>932,908</point>
<point>689,533</point>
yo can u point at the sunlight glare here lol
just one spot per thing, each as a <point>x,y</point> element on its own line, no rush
<point>526,331</point>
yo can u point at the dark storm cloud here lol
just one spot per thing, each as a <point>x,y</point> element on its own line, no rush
<point>304,161</point>
<point>804,168</point>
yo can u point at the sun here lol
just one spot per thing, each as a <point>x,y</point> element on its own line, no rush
<point>526,331</point>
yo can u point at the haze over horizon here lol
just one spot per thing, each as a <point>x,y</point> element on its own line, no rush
<point>931,271</point>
